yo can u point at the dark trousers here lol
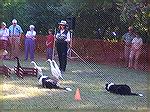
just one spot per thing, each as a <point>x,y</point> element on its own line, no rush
<point>3,44</point>
<point>62,54</point>
<point>49,53</point>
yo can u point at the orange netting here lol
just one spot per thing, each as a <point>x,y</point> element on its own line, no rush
<point>98,51</point>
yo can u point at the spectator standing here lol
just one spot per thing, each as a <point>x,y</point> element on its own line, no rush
<point>4,35</point>
<point>50,44</point>
<point>15,32</point>
<point>30,43</point>
<point>127,38</point>
<point>135,51</point>
<point>62,41</point>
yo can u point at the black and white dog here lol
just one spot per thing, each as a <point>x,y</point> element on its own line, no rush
<point>121,89</point>
<point>51,83</point>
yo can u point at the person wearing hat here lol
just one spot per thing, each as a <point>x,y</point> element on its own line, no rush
<point>30,43</point>
<point>136,48</point>
<point>127,39</point>
<point>4,34</point>
<point>62,41</point>
<point>15,32</point>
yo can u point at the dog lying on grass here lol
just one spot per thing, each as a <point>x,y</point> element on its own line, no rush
<point>46,81</point>
<point>51,83</point>
<point>121,89</point>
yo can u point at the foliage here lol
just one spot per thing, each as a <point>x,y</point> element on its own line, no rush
<point>1,11</point>
<point>137,15</point>
<point>94,19</point>
<point>98,19</point>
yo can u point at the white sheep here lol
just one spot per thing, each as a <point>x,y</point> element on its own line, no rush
<point>40,73</point>
<point>55,69</point>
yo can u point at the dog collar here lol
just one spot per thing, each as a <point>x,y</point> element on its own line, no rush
<point>109,85</point>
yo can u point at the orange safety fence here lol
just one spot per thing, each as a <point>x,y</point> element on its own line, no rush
<point>110,53</point>
<point>99,51</point>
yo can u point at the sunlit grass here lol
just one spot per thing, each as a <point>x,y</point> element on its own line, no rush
<point>25,93</point>
<point>11,90</point>
<point>15,92</point>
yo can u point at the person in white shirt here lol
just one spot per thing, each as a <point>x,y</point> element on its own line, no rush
<point>30,43</point>
<point>136,48</point>
<point>62,41</point>
<point>15,32</point>
<point>4,34</point>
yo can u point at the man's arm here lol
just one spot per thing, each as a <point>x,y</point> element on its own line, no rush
<point>21,32</point>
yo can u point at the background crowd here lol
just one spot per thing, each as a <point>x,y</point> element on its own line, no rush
<point>10,40</point>
<point>133,46</point>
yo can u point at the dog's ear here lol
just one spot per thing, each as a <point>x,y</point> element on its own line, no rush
<point>106,85</point>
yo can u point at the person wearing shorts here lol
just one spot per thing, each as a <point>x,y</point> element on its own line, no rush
<point>136,48</point>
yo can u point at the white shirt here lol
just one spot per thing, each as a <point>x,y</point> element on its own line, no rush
<point>31,34</point>
<point>68,35</point>
<point>137,43</point>
<point>4,34</point>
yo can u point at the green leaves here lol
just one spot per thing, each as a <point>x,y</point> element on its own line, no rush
<point>90,15</point>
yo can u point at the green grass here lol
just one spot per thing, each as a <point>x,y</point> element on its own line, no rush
<point>25,94</point>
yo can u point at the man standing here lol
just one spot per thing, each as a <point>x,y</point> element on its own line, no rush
<point>15,32</point>
<point>30,43</point>
<point>136,48</point>
<point>127,38</point>
<point>4,34</point>
<point>62,41</point>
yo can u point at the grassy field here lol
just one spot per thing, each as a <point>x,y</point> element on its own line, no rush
<point>25,95</point>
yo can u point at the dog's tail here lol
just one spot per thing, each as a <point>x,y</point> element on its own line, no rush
<point>65,88</point>
<point>68,89</point>
<point>136,94</point>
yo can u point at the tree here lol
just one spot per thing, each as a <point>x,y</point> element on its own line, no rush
<point>91,15</point>
<point>102,15</point>
<point>1,11</point>
<point>137,14</point>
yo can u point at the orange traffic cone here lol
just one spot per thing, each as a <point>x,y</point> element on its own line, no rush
<point>77,95</point>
